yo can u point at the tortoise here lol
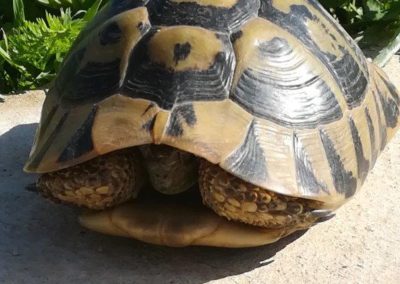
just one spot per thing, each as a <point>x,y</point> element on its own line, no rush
<point>266,111</point>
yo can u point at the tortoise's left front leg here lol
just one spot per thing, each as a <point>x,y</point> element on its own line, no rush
<point>100,183</point>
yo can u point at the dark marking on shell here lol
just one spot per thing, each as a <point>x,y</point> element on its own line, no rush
<point>392,89</point>
<point>149,107</point>
<point>371,130</point>
<point>157,83</point>
<point>68,70</point>
<point>345,68</point>
<point>187,113</point>
<point>175,128</point>
<point>179,115</point>
<point>143,27</point>
<point>181,51</point>
<point>362,163</point>
<point>343,180</point>
<point>111,34</point>
<point>236,36</point>
<point>390,109</point>
<point>46,122</point>
<point>306,177</point>
<point>288,94</point>
<point>382,127</point>
<point>248,161</point>
<point>81,142</point>
<point>39,156</point>
<point>94,82</point>
<point>348,73</point>
<point>390,105</point>
<point>149,125</point>
<point>111,9</point>
<point>168,13</point>
<point>140,25</point>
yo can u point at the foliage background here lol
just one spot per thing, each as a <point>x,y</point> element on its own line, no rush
<point>35,35</point>
<point>372,22</point>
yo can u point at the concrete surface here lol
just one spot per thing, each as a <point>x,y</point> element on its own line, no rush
<point>42,243</point>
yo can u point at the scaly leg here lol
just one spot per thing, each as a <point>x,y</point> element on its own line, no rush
<point>97,184</point>
<point>241,201</point>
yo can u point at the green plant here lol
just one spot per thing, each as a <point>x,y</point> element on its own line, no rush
<point>374,23</point>
<point>73,4</point>
<point>37,8</point>
<point>367,17</point>
<point>31,52</point>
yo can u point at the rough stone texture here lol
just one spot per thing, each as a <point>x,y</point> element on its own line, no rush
<point>42,243</point>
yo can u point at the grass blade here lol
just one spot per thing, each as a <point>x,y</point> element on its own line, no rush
<point>92,11</point>
<point>5,40</point>
<point>19,11</point>
<point>7,58</point>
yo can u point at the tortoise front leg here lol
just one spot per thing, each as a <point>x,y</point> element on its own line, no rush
<point>97,184</point>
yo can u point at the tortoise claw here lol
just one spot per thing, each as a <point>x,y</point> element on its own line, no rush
<point>323,215</point>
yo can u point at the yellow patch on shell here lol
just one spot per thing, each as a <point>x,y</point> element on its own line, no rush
<point>285,5</point>
<point>202,44</point>
<point>128,22</point>
<point>215,3</point>
<point>220,128</point>
<point>49,108</point>
<point>160,122</point>
<point>119,123</point>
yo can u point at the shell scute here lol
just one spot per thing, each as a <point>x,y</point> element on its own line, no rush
<point>179,64</point>
<point>96,65</point>
<point>307,21</point>
<point>276,78</point>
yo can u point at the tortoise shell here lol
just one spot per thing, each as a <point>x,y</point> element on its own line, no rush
<point>274,92</point>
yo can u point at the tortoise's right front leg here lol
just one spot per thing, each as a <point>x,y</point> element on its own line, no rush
<point>100,183</point>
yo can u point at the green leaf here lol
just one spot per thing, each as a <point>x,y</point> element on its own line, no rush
<point>6,56</point>
<point>19,12</point>
<point>393,12</point>
<point>91,13</point>
<point>373,10</point>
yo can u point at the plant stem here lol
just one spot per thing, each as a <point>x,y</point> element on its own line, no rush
<point>386,53</point>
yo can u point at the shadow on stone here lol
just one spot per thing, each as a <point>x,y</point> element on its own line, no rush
<point>44,240</point>
<point>15,146</point>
